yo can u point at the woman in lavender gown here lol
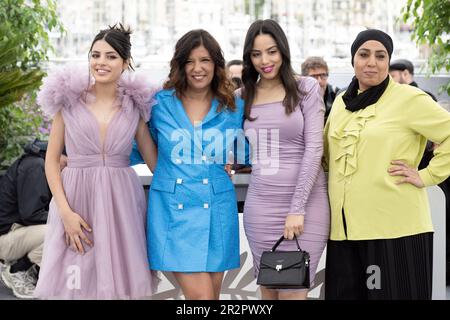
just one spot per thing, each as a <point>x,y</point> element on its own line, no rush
<point>95,246</point>
<point>284,122</point>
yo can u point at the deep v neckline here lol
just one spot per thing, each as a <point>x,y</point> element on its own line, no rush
<point>97,123</point>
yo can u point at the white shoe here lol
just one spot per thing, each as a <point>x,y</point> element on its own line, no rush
<point>33,274</point>
<point>3,266</point>
<point>21,283</point>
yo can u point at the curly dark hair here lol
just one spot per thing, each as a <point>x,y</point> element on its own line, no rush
<point>221,86</point>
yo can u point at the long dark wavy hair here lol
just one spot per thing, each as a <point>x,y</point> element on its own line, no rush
<point>221,87</point>
<point>287,74</point>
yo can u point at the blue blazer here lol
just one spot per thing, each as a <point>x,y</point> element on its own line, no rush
<point>192,223</point>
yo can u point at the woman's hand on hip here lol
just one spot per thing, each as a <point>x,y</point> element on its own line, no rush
<point>293,225</point>
<point>408,174</point>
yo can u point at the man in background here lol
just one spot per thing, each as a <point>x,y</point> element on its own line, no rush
<point>317,68</point>
<point>234,72</point>
<point>402,71</point>
<point>24,203</point>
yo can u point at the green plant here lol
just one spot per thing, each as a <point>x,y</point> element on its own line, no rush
<point>431,22</point>
<point>25,123</point>
<point>24,44</point>
<point>14,81</point>
<point>31,20</point>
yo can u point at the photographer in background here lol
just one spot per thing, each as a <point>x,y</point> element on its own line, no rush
<point>24,202</point>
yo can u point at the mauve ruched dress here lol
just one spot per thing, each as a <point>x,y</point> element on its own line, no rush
<point>296,184</point>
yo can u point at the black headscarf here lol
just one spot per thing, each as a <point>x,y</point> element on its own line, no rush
<point>354,101</point>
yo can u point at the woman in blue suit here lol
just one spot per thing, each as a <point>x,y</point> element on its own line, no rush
<point>193,227</point>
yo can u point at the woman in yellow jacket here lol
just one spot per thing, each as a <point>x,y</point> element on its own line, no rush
<point>381,235</point>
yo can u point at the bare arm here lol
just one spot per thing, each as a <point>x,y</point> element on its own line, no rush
<point>71,220</point>
<point>146,145</point>
<point>52,164</point>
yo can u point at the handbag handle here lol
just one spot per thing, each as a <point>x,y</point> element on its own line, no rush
<point>281,240</point>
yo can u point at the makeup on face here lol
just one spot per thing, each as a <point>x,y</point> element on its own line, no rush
<point>266,57</point>
<point>199,69</point>
<point>105,63</point>
<point>371,64</point>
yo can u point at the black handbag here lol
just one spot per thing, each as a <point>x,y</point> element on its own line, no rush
<point>284,269</point>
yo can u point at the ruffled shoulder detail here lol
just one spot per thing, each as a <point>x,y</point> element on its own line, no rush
<point>347,135</point>
<point>62,88</point>
<point>136,91</point>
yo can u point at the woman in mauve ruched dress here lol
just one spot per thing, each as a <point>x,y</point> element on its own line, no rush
<point>287,192</point>
<point>95,244</point>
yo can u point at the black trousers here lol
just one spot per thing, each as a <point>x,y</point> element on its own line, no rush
<point>385,269</point>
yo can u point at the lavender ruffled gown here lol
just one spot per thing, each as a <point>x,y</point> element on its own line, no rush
<point>104,190</point>
<point>295,184</point>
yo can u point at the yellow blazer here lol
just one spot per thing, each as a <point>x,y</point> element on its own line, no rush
<point>359,147</point>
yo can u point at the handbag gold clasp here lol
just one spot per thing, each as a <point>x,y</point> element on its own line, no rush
<point>278,267</point>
